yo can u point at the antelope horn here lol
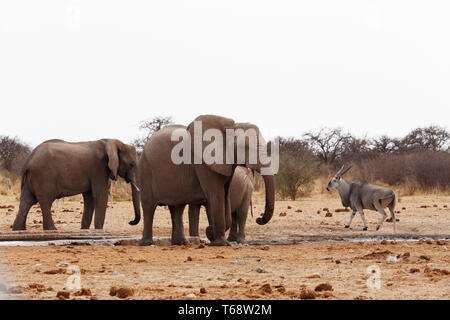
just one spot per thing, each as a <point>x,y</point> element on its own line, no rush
<point>346,170</point>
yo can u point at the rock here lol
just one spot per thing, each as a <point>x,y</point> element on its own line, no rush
<point>307,294</point>
<point>338,261</point>
<point>391,259</point>
<point>314,276</point>
<point>62,264</point>
<point>124,293</point>
<point>56,271</point>
<point>283,214</point>
<point>405,246</point>
<point>260,270</point>
<point>203,291</point>
<point>425,257</point>
<point>289,207</point>
<point>414,270</point>
<point>266,289</point>
<point>191,296</point>
<point>113,291</point>
<point>83,292</point>
<point>324,287</point>
<point>329,215</point>
<point>384,242</point>
<point>63,295</point>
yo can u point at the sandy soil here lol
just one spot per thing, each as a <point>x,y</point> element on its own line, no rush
<point>248,272</point>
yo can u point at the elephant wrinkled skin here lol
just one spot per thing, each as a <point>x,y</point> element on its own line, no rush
<point>241,191</point>
<point>57,169</point>
<point>164,183</point>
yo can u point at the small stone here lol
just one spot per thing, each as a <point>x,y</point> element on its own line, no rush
<point>63,295</point>
<point>84,292</point>
<point>124,293</point>
<point>113,291</point>
<point>425,257</point>
<point>266,289</point>
<point>307,294</point>
<point>203,291</point>
<point>191,296</point>
<point>324,287</point>
<point>391,259</point>
<point>239,262</point>
<point>260,270</point>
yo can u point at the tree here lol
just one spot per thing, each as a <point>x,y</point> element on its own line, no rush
<point>298,168</point>
<point>12,153</point>
<point>328,144</point>
<point>434,138</point>
<point>151,127</point>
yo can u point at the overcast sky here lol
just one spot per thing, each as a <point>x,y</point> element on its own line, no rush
<point>84,70</point>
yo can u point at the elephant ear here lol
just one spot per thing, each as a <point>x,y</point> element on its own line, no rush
<point>202,124</point>
<point>112,151</point>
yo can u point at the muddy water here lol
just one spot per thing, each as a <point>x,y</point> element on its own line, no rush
<point>165,241</point>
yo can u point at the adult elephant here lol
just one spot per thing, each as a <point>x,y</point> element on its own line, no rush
<point>57,169</point>
<point>241,191</point>
<point>166,183</point>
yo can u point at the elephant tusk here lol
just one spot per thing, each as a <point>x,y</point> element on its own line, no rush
<point>134,185</point>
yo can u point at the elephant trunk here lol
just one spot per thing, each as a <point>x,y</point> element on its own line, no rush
<point>136,204</point>
<point>269,182</point>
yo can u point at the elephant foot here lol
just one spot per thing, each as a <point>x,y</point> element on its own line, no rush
<point>145,242</point>
<point>19,227</point>
<point>232,237</point>
<point>220,243</point>
<point>210,233</point>
<point>50,227</point>
<point>179,241</point>
<point>236,238</point>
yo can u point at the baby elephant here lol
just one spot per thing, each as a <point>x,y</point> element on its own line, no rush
<point>241,191</point>
<point>361,195</point>
<point>57,169</point>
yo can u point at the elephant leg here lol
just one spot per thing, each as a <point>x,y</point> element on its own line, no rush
<point>27,200</point>
<point>178,237</point>
<point>88,211</point>
<point>194,217</point>
<point>209,229</point>
<point>234,228</point>
<point>241,221</point>
<point>149,208</point>
<point>215,188</point>
<point>217,208</point>
<point>46,207</point>
<point>101,201</point>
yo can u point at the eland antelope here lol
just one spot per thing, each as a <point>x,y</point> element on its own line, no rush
<point>361,195</point>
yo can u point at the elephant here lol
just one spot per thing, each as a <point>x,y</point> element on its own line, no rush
<point>164,182</point>
<point>241,191</point>
<point>57,169</point>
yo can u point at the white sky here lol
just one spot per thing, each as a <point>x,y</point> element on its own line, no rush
<point>84,70</point>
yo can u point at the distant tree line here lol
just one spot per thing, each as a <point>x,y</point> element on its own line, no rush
<point>419,160</point>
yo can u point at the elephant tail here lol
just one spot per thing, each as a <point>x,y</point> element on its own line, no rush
<point>24,179</point>
<point>251,207</point>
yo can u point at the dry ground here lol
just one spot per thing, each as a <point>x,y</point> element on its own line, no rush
<point>232,273</point>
